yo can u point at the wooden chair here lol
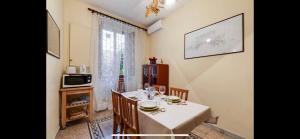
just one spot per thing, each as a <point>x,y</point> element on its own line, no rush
<point>181,93</point>
<point>117,110</point>
<point>130,117</point>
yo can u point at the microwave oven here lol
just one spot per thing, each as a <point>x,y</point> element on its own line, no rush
<point>76,80</point>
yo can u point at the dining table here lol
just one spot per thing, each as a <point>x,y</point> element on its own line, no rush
<point>175,119</point>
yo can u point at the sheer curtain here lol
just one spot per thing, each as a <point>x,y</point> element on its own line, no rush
<point>134,59</point>
<point>94,60</point>
<point>113,42</point>
<point>129,62</point>
<point>141,45</point>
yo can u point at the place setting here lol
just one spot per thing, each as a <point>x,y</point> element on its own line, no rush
<point>175,100</point>
<point>151,106</point>
<point>134,98</point>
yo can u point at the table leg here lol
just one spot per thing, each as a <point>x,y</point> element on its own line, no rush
<point>63,110</point>
<point>90,111</point>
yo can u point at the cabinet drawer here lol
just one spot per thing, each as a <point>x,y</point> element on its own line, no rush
<point>78,92</point>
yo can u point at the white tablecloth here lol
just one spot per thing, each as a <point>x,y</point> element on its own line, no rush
<point>177,119</point>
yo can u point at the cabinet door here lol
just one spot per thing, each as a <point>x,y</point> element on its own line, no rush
<point>153,74</point>
<point>145,75</point>
<point>163,76</point>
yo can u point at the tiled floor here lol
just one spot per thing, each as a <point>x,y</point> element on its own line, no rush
<point>208,133</point>
<point>79,130</point>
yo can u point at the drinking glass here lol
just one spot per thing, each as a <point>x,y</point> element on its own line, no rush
<point>152,92</point>
<point>157,101</point>
<point>162,90</point>
<point>146,85</point>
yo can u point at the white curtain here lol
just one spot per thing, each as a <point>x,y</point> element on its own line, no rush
<point>94,60</point>
<point>129,62</point>
<point>140,55</point>
<point>112,40</point>
<point>134,59</point>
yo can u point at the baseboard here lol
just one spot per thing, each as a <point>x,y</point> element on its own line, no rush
<point>57,130</point>
<point>101,110</point>
<point>222,131</point>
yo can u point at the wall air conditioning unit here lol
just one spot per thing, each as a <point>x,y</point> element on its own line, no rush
<point>155,27</point>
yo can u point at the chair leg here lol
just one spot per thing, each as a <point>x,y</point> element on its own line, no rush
<point>121,129</point>
<point>136,137</point>
<point>115,126</point>
<point>125,131</point>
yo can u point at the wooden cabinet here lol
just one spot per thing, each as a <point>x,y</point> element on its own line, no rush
<point>78,108</point>
<point>156,74</point>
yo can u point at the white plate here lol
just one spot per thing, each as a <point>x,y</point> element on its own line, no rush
<point>163,96</point>
<point>173,97</point>
<point>148,104</point>
<point>131,95</point>
<point>149,109</point>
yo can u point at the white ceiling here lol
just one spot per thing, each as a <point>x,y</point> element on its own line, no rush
<point>134,10</point>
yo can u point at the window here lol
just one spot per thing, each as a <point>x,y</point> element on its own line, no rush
<point>121,46</point>
<point>110,38</point>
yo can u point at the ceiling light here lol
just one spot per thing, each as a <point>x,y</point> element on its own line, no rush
<point>170,2</point>
<point>156,5</point>
<point>153,7</point>
<point>208,40</point>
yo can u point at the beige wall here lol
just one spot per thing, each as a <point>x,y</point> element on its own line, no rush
<point>54,70</point>
<point>76,13</point>
<point>80,40</point>
<point>225,82</point>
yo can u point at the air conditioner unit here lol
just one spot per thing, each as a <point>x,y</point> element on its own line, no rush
<point>155,27</point>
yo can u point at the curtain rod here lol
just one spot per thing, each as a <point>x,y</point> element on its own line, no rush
<point>94,11</point>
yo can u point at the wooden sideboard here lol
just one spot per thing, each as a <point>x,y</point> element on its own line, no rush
<point>66,106</point>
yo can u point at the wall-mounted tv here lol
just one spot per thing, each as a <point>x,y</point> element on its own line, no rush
<point>53,37</point>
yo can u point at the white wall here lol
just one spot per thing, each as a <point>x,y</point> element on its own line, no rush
<point>224,82</point>
<point>54,69</point>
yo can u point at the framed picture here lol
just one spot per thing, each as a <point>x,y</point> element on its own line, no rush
<point>223,37</point>
<point>53,37</point>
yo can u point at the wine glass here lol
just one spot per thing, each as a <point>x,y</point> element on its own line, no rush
<point>146,85</point>
<point>162,90</point>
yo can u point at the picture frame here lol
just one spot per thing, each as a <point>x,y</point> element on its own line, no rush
<point>220,38</point>
<point>53,37</point>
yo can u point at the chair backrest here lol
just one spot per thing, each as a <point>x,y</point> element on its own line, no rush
<point>182,93</point>
<point>116,102</point>
<point>130,113</point>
